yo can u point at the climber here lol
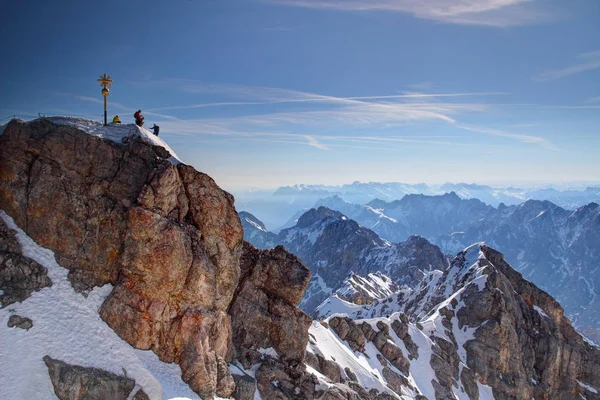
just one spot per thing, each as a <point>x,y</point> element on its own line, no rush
<point>139,118</point>
<point>155,128</point>
<point>116,120</point>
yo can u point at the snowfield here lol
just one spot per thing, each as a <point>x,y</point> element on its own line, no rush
<point>67,326</point>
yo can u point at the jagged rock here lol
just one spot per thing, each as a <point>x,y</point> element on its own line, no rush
<point>263,312</point>
<point>73,382</point>
<point>245,387</point>
<point>389,350</point>
<point>400,328</point>
<point>339,393</point>
<point>140,395</point>
<point>347,330</point>
<point>520,343</point>
<point>20,322</point>
<point>8,239</point>
<point>351,375</point>
<point>340,326</point>
<point>444,362</point>
<point>368,331</point>
<point>394,380</point>
<point>19,276</point>
<point>165,235</point>
<point>330,369</point>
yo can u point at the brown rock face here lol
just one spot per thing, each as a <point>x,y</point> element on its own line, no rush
<point>166,236</point>
<point>263,312</point>
<point>521,352</point>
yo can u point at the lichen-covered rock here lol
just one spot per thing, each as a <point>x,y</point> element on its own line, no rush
<point>73,382</point>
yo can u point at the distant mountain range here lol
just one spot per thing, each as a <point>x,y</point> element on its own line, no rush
<point>361,193</point>
<point>277,208</point>
<point>555,248</point>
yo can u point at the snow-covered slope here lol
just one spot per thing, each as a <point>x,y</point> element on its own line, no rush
<point>256,233</point>
<point>67,326</point>
<point>557,249</point>
<point>477,330</point>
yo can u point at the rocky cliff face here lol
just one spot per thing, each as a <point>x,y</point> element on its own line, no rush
<point>166,236</point>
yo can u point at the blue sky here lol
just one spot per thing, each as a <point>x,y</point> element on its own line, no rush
<point>277,92</point>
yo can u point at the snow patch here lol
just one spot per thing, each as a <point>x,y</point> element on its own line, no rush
<point>587,387</point>
<point>541,312</point>
<point>114,132</point>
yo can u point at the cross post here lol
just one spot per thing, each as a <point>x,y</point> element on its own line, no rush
<point>106,82</point>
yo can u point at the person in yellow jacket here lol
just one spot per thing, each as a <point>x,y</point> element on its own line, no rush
<point>116,120</point>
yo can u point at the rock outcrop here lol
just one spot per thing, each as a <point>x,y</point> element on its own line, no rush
<point>165,235</point>
<point>20,322</point>
<point>73,382</point>
<point>264,316</point>
<point>19,276</point>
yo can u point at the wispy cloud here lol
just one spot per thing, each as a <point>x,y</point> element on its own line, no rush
<point>326,113</point>
<point>499,13</point>
<point>258,95</point>
<point>522,138</point>
<point>586,62</point>
<point>315,143</point>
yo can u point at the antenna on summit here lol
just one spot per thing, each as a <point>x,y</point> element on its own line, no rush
<point>106,82</point>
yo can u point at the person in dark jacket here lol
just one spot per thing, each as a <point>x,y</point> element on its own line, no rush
<point>155,129</point>
<point>139,118</point>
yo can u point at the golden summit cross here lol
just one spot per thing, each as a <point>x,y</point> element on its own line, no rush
<point>106,82</point>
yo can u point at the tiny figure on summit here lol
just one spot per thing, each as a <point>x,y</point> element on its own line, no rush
<point>155,128</point>
<point>139,119</point>
<point>116,120</point>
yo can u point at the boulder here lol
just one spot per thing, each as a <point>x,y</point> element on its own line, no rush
<point>20,322</point>
<point>73,382</point>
